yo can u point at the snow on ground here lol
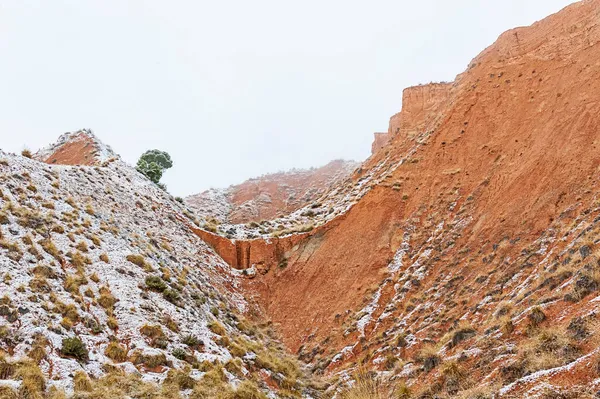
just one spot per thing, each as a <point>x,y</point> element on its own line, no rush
<point>77,246</point>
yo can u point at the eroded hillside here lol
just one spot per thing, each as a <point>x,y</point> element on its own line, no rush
<point>466,260</point>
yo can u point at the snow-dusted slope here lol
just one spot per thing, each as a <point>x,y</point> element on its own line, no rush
<point>104,255</point>
<point>80,147</point>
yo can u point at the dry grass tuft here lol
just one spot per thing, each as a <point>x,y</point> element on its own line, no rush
<point>82,382</point>
<point>139,260</point>
<point>366,386</point>
<point>116,352</point>
<point>217,328</point>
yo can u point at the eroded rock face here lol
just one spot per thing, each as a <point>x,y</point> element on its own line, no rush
<point>483,196</point>
<point>379,141</point>
<point>421,106</point>
<point>271,195</point>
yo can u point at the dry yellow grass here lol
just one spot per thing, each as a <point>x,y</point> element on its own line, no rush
<point>367,387</point>
<point>116,352</point>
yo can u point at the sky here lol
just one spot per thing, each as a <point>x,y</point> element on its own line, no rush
<point>232,89</point>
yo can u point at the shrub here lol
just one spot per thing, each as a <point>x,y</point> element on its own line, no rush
<point>48,205</point>
<point>170,323</point>
<point>8,393</point>
<point>95,239</point>
<point>82,382</point>
<point>73,282</point>
<point>112,323</point>
<point>74,347</point>
<point>152,331</point>
<point>155,283</point>
<point>278,364</point>
<point>4,219</point>
<point>548,349</point>
<point>180,378</point>
<point>38,349</point>
<point>26,153</point>
<point>32,219</point>
<point>39,284</point>
<point>79,260</point>
<point>390,361</point>
<point>210,227</point>
<point>213,385</point>
<point>504,309</point>
<point>586,282</point>
<point>507,326</point>
<point>14,250</point>
<point>82,246</point>
<point>7,369</point>
<point>179,353</point>
<point>171,296</point>
<point>404,392</point>
<point>67,324</point>
<point>454,377</point>
<point>236,350</point>
<point>93,324</point>
<point>191,340</point>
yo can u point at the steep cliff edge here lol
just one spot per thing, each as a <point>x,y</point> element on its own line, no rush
<point>421,106</point>
<point>379,141</point>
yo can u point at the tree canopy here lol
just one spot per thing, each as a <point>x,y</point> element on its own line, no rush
<point>153,163</point>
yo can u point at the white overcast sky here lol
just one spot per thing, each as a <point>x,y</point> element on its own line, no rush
<point>232,89</point>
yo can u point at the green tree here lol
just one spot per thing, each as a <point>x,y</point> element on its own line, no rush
<point>153,163</point>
